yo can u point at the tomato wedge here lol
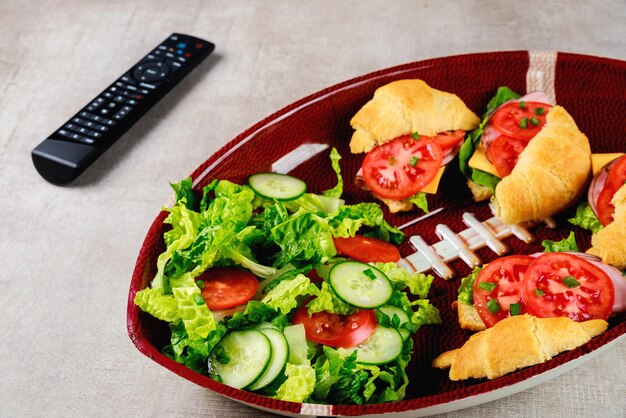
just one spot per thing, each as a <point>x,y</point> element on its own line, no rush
<point>615,179</point>
<point>504,153</point>
<point>336,330</point>
<point>402,167</point>
<point>498,286</point>
<point>561,284</point>
<point>520,120</point>
<point>366,249</point>
<point>227,287</point>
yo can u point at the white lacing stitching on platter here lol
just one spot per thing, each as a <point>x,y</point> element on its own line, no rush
<point>541,73</point>
<point>461,245</point>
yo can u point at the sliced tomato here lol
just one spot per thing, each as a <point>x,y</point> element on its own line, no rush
<point>615,179</point>
<point>402,167</point>
<point>366,249</point>
<point>227,287</point>
<point>504,153</point>
<point>562,284</point>
<point>449,140</point>
<point>498,286</point>
<point>520,120</point>
<point>336,330</point>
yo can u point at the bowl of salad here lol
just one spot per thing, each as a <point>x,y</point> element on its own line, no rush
<point>273,278</point>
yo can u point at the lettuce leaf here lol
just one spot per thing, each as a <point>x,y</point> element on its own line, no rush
<point>304,237</point>
<point>288,293</point>
<point>503,94</point>
<point>336,191</point>
<point>299,384</point>
<point>585,218</point>
<point>348,219</point>
<point>419,199</point>
<point>418,283</point>
<point>566,244</point>
<point>466,290</point>
<point>326,300</point>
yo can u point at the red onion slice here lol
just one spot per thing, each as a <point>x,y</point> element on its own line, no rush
<point>616,276</point>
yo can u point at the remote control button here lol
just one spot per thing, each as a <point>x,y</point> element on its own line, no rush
<point>174,37</point>
<point>104,111</point>
<point>132,88</point>
<point>162,47</point>
<point>146,85</point>
<point>127,79</point>
<point>108,94</point>
<point>131,102</point>
<point>181,45</point>
<point>119,98</point>
<point>151,71</point>
<point>169,55</point>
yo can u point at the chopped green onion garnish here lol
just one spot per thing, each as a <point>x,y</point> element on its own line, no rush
<point>414,161</point>
<point>539,111</point>
<point>488,286</point>
<point>534,121</point>
<point>370,274</point>
<point>200,284</point>
<point>415,136</point>
<point>539,292</point>
<point>523,123</point>
<point>391,161</point>
<point>199,300</point>
<point>493,306</point>
<point>522,105</point>
<point>515,309</point>
<point>570,282</point>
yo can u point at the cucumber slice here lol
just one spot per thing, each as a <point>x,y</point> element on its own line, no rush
<point>278,359</point>
<point>277,186</point>
<point>404,333</point>
<point>360,285</point>
<point>249,354</point>
<point>391,310</point>
<point>383,346</point>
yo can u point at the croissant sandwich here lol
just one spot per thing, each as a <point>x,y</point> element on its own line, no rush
<point>409,131</point>
<point>607,199</point>
<point>514,343</point>
<point>528,155</point>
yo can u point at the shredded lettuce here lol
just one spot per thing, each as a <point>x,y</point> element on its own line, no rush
<point>503,94</point>
<point>585,218</point>
<point>566,244</point>
<point>348,219</point>
<point>466,290</point>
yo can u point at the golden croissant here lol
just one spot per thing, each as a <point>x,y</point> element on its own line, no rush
<point>550,174</point>
<point>514,343</point>
<point>406,106</point>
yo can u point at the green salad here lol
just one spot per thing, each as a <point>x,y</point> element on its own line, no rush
<point>290,294</point>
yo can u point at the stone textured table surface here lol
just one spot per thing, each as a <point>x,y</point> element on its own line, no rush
<point>67,253</point>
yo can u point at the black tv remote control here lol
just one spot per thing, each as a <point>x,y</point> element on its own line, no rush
<point>66,153</point>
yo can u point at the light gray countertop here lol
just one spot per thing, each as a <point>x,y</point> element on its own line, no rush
<point>68,252</point>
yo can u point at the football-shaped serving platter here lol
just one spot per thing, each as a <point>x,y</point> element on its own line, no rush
<point>297,140</point>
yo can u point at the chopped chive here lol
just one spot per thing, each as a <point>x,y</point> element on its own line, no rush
<point>370,274</point>
<point>539,292</point>
<point>199,300</point>
<point>415,136</point>
<point>200,284</point>
<point>523,123</point>
<point>522,105</point>
<point>391,161</point>
<point>493,306</point>
<point>539,111</point>
<point>488,286</point>
<point>515,309</point>
<point>414,161</point>
<point>570,282</point>
<point>534,121</point>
